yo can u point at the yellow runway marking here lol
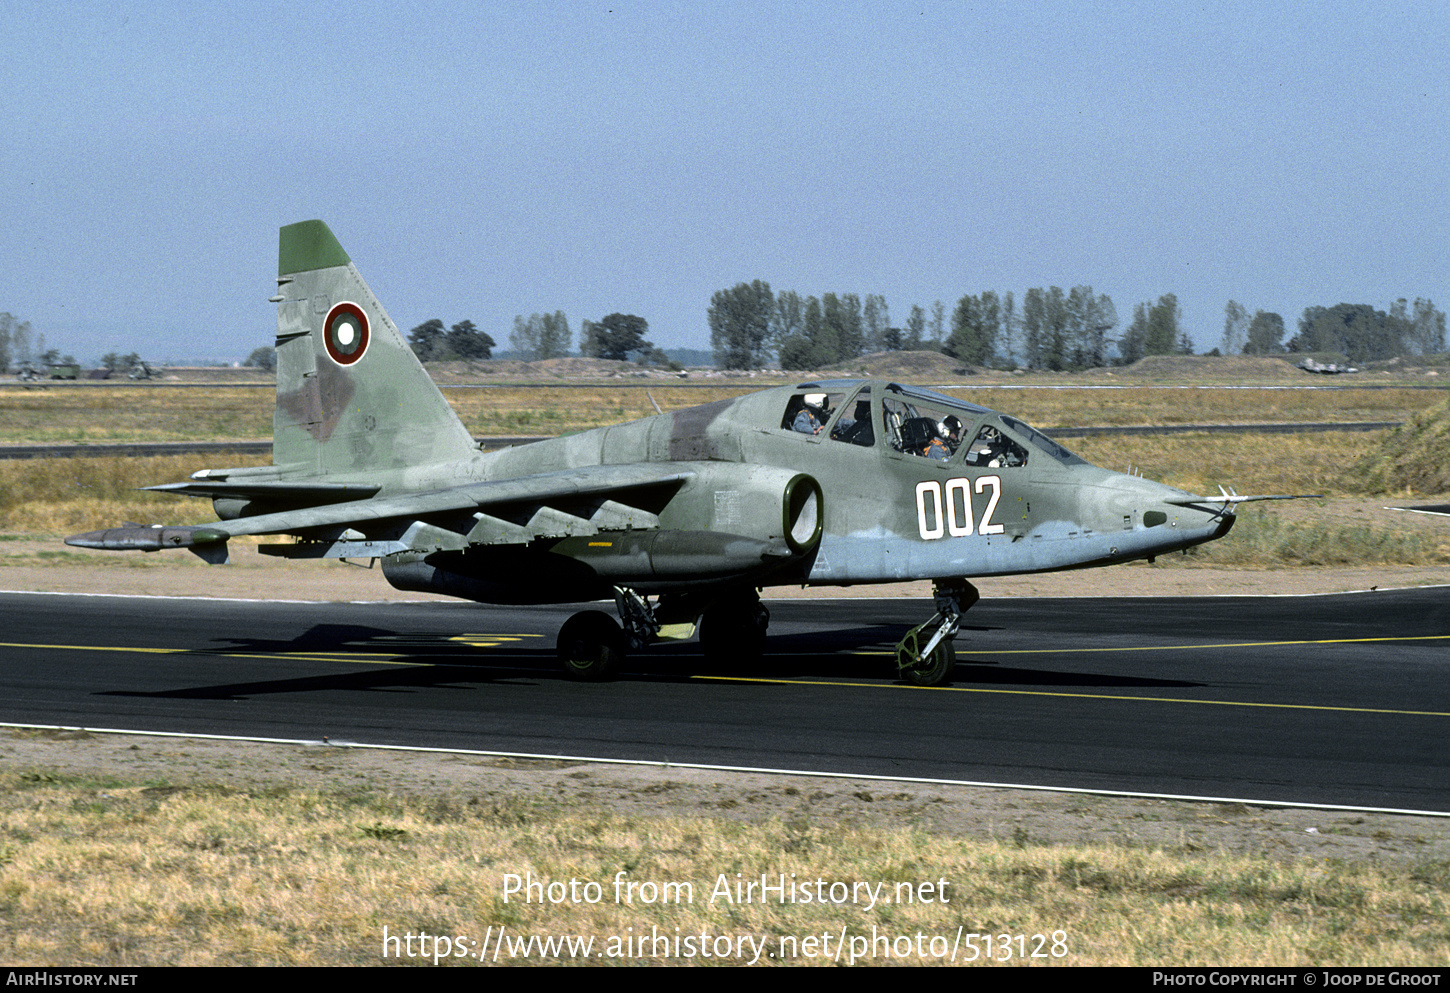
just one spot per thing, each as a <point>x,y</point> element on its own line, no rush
<point>1176,648</point>
<point>345,658</point>
<point>360,658</point>
<point>490,640</point>
<point>370,658</point>
<point>97,648</point>
<point>1073,696</point>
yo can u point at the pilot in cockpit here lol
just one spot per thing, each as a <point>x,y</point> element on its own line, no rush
<point>813,414</point>
<point>948,436</point>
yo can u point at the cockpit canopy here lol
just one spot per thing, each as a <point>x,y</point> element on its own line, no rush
<point>905,420</point>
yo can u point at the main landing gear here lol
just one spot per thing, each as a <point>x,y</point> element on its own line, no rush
<point>732,629</point>
<point>592,645</point>
<point>732,626</point>
<point>925,657</point>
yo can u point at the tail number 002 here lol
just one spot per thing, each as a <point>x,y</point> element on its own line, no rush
<point>943,510</point>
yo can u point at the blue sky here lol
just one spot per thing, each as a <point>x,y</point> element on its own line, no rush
<point>485,160</point>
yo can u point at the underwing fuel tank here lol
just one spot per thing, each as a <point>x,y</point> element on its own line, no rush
<point>590,566</point>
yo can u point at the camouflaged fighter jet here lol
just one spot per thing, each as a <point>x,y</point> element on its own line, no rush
<point>680,519</point>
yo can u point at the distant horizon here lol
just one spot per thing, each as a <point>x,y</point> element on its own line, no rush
<point>1290,358</point>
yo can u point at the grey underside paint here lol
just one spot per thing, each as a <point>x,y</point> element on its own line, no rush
<point>869,558</point>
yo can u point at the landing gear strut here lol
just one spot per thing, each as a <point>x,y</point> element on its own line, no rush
<point>732,630</point>
<point>640,625</point>
<point>925,657</point>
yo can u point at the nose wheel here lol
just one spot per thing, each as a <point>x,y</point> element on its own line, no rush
<point>926,656</point>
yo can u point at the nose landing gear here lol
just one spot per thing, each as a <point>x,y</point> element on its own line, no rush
<point>925,657</point>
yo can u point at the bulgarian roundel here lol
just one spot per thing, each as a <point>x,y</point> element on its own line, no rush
<point>346,333</point>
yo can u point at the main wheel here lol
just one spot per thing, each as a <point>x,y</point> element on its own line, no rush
<point>936,669</point>
<point>732,632</point>
<point>591,646</point>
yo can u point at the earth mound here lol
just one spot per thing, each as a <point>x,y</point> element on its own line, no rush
<point>568,368</point>
<point>1218,368</point>
<point>909,367</point>
<point>1414,459</point>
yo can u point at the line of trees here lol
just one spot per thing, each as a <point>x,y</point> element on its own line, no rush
<point>749,324</point>
<point>1156,329</point>
<point>615,337</point>
<point>116,362</point>
<point>1262,334</point>
<point>1356,330</point>
<point>1365,334</point>
<point>1051,330</point>
<point>542,336</point>
<point>17,341</point>
<point>431,342</point>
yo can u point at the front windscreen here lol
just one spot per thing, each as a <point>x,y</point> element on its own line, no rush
<point>1039,440</point>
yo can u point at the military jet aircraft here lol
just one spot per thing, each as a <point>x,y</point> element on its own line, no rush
<point>681,519</point>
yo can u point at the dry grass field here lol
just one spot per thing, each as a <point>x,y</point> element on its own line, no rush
<point>311,861</point>
<point>107,413</point>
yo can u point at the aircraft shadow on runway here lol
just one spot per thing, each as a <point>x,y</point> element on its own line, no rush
<point>407,662</point>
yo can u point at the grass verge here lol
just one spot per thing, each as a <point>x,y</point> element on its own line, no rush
<point>1261,539</point>
<point>102,871</point>
<point>127,413</point>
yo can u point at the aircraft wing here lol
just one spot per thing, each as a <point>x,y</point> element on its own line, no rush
<point>556,504</point>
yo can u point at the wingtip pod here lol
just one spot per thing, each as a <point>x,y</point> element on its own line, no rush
<point>308,245</point>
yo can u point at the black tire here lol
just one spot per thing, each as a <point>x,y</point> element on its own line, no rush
<point>936,670</point>
<point>732,632</point>
<point>591,646</point>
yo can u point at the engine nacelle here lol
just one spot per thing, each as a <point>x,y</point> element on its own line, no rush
<point>761,502</point>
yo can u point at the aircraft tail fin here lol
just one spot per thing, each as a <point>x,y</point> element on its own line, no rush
<point>351,395</point>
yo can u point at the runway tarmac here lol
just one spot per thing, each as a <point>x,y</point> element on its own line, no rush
<point>1336,699</point>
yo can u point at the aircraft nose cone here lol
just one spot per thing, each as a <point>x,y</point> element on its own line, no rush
<point>91,539</point>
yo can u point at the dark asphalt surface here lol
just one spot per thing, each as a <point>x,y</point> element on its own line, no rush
<point>1329,699</point>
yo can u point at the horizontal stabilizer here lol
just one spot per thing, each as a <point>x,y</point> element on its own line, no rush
<point>302,494</point>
